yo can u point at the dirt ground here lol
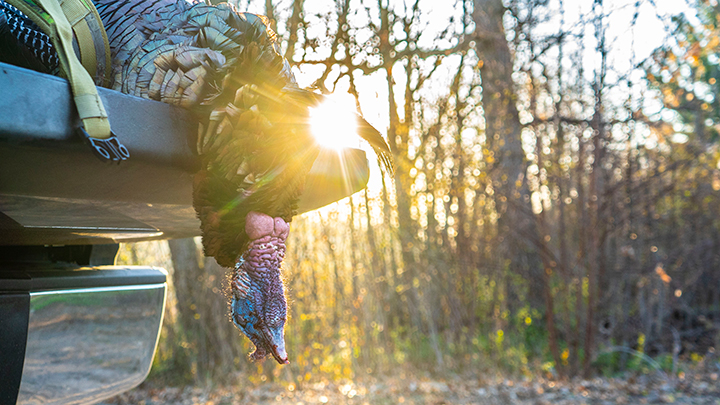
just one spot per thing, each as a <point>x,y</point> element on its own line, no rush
<point>645,389</point>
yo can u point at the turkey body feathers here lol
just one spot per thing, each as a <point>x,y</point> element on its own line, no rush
<point>175,51</point>
<point>254,143</point>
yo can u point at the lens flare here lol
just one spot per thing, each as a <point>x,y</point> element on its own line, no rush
<point>334,123</point>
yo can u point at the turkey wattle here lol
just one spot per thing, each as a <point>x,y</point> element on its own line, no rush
<point>254,140</point>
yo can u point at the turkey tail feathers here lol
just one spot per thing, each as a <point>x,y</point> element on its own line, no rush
<point>378,143</point>
<point>364,129</point>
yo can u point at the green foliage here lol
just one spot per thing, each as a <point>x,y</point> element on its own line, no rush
<point>686,72</point>
<point>608,363</point>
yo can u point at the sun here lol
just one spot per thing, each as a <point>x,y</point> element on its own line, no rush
<point>334,122</point>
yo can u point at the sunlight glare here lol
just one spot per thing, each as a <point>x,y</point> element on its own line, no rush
<point>334,123</point>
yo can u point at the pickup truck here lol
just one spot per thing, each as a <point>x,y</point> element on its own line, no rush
<point>74,327</point>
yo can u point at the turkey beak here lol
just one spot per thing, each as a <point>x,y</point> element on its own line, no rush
<point>275,341</point>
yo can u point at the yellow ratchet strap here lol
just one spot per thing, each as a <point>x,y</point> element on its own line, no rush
<point>75,12</point>
<point>91,38</point>
<point>89,106</point>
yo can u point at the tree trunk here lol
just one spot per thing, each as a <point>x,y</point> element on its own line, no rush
<point>503,128</point>
<point>503,131</point>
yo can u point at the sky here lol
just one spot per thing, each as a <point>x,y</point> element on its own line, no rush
<point>634,29</point>
<point>629,42</point>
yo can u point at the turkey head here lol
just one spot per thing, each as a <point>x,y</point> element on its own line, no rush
<point>258,303</point>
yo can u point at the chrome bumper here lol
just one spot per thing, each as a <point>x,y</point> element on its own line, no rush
<point>87,341</point>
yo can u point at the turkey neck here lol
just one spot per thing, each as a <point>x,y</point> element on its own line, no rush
<point>263,258</point>
<point>266,249</point>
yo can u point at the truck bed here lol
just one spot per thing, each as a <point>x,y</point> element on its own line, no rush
<point>55,191</point>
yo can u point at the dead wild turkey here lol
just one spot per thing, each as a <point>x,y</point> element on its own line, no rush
<point>254,140</point>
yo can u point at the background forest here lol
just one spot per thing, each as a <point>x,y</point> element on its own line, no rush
<point>554,209</point>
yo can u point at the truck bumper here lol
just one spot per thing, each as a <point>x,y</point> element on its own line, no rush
<point>78,335</point>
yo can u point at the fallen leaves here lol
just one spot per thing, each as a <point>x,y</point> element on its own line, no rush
<point>701,388</point>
